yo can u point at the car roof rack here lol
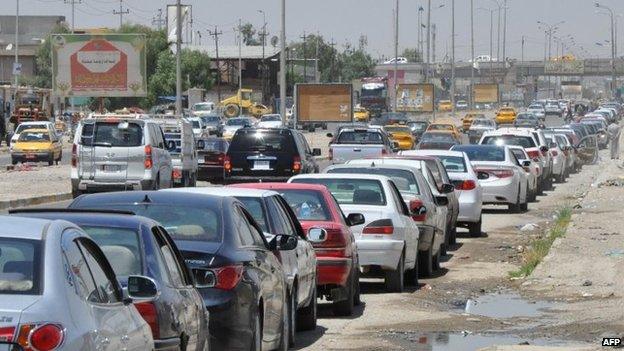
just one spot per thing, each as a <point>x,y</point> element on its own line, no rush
<point>70,210</point>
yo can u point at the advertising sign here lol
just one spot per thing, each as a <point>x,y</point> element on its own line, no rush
<point>108,65</point>
<point>485,93</point>
<point>415,98</point>
<point>324,102</point>
<point>564,67</point>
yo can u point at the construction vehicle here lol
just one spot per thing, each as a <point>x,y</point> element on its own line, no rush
<point>31,105</point>
<point>241,104</point>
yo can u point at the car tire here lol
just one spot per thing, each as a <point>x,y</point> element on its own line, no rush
<point>344,308</point>
<point>524,207</point>
<point>515,208</point>
<point>292,317</point>
<point>51,160</point>
<point>475,228</point>
<point>13,161</point>
<point>411,276</point>
<point>436,261</point>
<point>307,316</point>
<point>256,343</point>
<point>156,183</point>
<point>357,298</point>
<point>425,263</point>
<point>394,279</point>
<point>285,334</point>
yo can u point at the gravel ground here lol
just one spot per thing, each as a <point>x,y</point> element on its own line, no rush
<point>31,181</point>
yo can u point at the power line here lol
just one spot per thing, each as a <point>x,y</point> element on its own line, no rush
<point>216,34</point>
<point>121,12</point>
<point>158,20</point>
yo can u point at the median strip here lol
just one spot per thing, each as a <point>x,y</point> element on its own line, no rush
<point>539,247</point>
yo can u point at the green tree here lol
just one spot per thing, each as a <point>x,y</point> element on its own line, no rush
<point>248,33</point>
<point>356,64</point>
<point>43,61</point>
<point>163,81</point>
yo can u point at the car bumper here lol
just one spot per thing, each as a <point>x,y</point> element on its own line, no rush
<point>502,191</point>
<point>31,156</point>
<point>209,172</point>
<point>256,179</point>
<point>333,271</point>
<point>90,186</point>
<point>469,207</point>
<point>384,253</point>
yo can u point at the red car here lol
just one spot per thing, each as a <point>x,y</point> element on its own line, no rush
<point>337,260</point>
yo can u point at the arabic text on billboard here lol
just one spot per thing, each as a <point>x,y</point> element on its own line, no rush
<point>564,67</point>
<point>485,93</point>
<point>415,98</point>
<point>107,65</point>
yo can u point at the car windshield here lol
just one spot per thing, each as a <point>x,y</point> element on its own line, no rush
<point>262,140</point>
<point>437,138</point>
<point>34,137</point>
<point>190,223</point>
<point>275,118</point>
<point>308,205</point>
<point>20,266</point>
<point>483,153</point>
<point>403,179</point>
<point>481,123</point>
<point>114,134</point>
<point>500,140</point>
<point>196,124</point>
<point>351,191</point>
<point>257,210</point>
<point>360,137</point>
<point>453,164</point>
<point>418,126</point>
<point>120,246</point>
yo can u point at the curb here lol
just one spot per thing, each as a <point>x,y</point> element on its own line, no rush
<point>37,200</point>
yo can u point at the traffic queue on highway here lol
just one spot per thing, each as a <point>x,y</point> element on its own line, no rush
<point>243,265</point>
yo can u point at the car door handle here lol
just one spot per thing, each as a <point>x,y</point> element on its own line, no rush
<point>357,150</point>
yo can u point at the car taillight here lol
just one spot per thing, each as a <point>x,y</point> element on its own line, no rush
<point>465,185</point>
<point>74,159</point>
<point>228,277</point>
<point>46,337</point>
<point>148,157</point>
<point>382,226</point>
<point>534,155</point>
<point>296,166</point>
<point>6,334</point>
<point>384,151</point>
<point>417,204</point>
<point>148,311</point>
<point>227,164</point>
<point>176,174</point>
<point>554,153</point>
<point>499,173</point>
<point>220,159</point>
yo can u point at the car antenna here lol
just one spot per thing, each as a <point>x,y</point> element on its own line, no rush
<point>373,164</point>
<point>146,199</point>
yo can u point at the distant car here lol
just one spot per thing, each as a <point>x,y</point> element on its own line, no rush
<point>12,137</point>
<point>233,124</point>
<point>60,292</point>
<point>478,127</point>
<point>210,158</point>
<point>213,124</point>
<point>401,134</point>
<point>553,108</point>
<point>198,126</point>
<point>445,127</point>
<point>397,60</point>
<point>418,128</point>
<point>500,174</point>
<point>138,246</point>
<point>354,143</point>
<point>538,110</point>
<point>445,106</point>
<point>37,145</point>
<point>528,120</point>
<point>333,241</point>
<point>270,121</point>
<point>461,105</point>
<point>506,115</point>
<point>257,154</point>
<point>201,109</point>
<point>441,140</point>
<point>387,242</point>
<point>560,159</point>
<point>469,118</point>
<point>238,275</point>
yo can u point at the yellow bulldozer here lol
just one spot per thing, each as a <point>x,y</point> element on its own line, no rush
<point>241,104</point>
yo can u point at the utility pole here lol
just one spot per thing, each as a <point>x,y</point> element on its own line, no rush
<point>504,32</point>
<point>317,76</point>
<point>240,56</point>
<point>121,12</point>
<point>15,73</point>
<point>420,38</point>
<point>396,56</point>
<point>498,37</point>
<point>283,61</point>
<point>332,43</point>
<point>158,20</point>
<point>433,42</point>
<point>73,11</point>
<point>453,57</point>
<point>472,53</point>
<point>428,41</point>
<point>522,52</point>
<point>263,73</point>
<point>613,47</point>
<point>216,34</point>
<point>305,66</point>
<point>491,43</point>
<point>178,104</point>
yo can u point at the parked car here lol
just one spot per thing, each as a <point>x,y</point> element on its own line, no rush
<point>233,124</point>
<point>500,174</point>
<point>354,143</point>
<point>441,140</point>
<point>466,183</point>
<point>37,145</point>
<point>387,242</point>
<point>257,154</point>
<point>334,244</point>
<point>12,137</point>
<point>270,121</point>
<point>505,115</point>
<point>239,277</point>
<point>113,153</point>
<point>559,157</point>
<point>478,127</point>
<point>46,305</point>
<point>275,217</point>
<point>210,158</point>
<point>532,169</point>
<point>138,246</point>
<point>417,195</point>
<point>401,134</point>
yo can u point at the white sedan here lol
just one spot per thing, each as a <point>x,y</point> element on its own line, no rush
<point>270,121</point>
<point>387,242</point>
<point>501,175</point>
<point>532,169</point>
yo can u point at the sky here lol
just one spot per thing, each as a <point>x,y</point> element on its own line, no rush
<point>346,20</point>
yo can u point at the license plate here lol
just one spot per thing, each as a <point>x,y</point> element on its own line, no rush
<point>111,168</point>
<point>262,165</point>
<point>200,160</point>
<point>30,156</point>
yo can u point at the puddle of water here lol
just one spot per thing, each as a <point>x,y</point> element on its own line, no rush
<point>464,342</point>
<point>505,305</point>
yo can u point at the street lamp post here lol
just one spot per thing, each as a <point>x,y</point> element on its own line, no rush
<point>491,37</point>
<point>396,55</point>
<point>472,53</point>
<point>613,75</point>
<point>263,76</point>
<point>549,30</point>
<point>453,57</point>
<point>16,50</point>
<point>283,62</point>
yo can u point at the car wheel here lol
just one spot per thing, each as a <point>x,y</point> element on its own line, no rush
<point>411,276</point>
<point>345,307</point>
<point>256,343</point>
<point>13,161</point>
<point>425,263</point>
<point>475,228</point>
<point>436,261</point>
<point>51,160</point>
<point>515,208</point>
<point>285,335</point>
<point>394,279</point>
<point>306,317</point>
<point>524,207</point>
<point>292,317</point>
<point>357,298</point>
<point>156,183</point>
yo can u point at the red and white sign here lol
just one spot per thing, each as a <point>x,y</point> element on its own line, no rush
<point>99,66</point>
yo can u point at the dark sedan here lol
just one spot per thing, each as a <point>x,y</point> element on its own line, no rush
<point>210,156</point>
<point>137,245</point>
<point>237,274</point>
<point>437,141</point>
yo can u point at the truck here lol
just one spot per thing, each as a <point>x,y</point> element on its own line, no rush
<point>359,142</point>
<point>374,95</point>
<point>31,105</point>
<point>182,148</point>
<point>319,104</point>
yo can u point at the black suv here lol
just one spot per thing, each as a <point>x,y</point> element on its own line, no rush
<point>268,155</point>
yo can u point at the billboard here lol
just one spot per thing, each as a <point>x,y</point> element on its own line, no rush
<point>485,93</point>
<point>98,65</point>
<point>564,67</point>
<point>415,98</point>
<point>324,102</point>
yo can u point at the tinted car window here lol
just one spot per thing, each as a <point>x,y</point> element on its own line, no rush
<point>104,286</point>
<point>308,205</point>
<point>215,145</point>
<point>120,246</point>
<point>360,137</point>
<point>402,178</point>
<point>520,155</point>
<point>115,134</point>
<point>255,207</point>
<point>20,263</point>
<point>495,154</point>
<point>524,141</point>
<point>352,191</point>
<point>437,138</point>
<point>262,140</point>
<point>34,136</point>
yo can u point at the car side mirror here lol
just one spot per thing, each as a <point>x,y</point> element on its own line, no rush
<point>442,200</point>
<point>317,235</point>
<point>329,135</point>
<point>283,243</point>
<point>201,144</point>
<point>142,288</point>
<point>355,219</point>
<point>543,148</point>
<point>447,188</point>
<point>316,152</point>
<point>171,145</point>
<point>526,163</point>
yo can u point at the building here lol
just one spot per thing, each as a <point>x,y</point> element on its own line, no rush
<point>33,30</point>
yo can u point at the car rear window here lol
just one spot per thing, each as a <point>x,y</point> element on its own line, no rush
<point>520,154</point>
<point>437,138</point>
<point>195,124</point>
<point>475,153</point>
<point>120,246</point>
<point>20,266</point>
<point>257,211</point>
<point>22,127</point>
<point>440,127</point>
<point>453,163</point>
<point>403,179</point>
<point>308,205</point>
<point>263,140</point>
<point>215,145</point>
<point>114,134</point>
<point>517,140</point>
<point>351,191</point>
<point>34,137</point>
<point>360,137</point>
